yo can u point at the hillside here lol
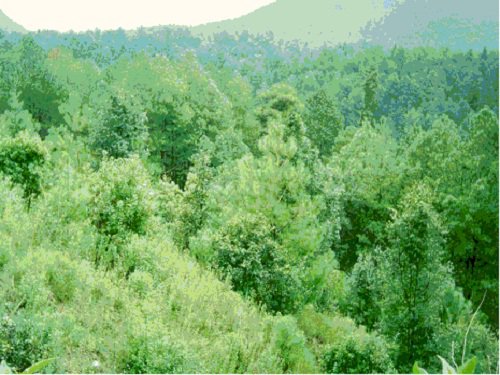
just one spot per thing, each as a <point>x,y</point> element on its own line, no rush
<point>442,23</point>
<point>314,22</point>
<point>7,24</point>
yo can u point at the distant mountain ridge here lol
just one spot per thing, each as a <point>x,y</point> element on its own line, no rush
<point>455,24</point>
<point>458,24</point>
<point>8,24</point>
<point>315,22</point>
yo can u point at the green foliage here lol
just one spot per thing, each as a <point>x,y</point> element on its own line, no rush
<point>119,131</point>
<point>188,194</point>
<point>467,368</point>
<point>323,121</point>
<point>246,253</point>
<point>23,340</point>
<point>342,347</point>
<point>33,369</point>
<point>121,204</point>
<point>413,276</point>
<point>22,159</point>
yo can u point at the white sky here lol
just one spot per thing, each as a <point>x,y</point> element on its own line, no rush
<point>79,15</point>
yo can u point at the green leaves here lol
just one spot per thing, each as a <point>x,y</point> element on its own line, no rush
<point>39,366</point>
<point>447,369</point>
<point>418,370</point>
<point>466,368</point>
<point>22,159</point>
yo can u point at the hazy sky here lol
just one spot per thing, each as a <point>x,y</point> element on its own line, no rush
<point>80,15</point>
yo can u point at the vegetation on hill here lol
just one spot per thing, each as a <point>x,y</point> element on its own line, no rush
<point>241,206</point>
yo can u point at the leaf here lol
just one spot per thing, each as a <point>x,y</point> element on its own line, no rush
<point>39,366</point>
<point>418,370</point>
<point>468,367</point>
<point>447,369</point>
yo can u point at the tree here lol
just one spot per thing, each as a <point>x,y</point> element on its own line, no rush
<point>323,121</point>
<point>119,131</point>
<point>22,159</point>
<point>414,277</point>
<point>370,88</point>
<point>120,205</point>
<point>273,186</point>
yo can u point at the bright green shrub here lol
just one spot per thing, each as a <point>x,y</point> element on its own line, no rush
<point>357,355</point>
<point>121,204</point>
<point>152,355</point>
<point>246,253</point>
<point>119,129</point>
<point>21,159</point>
<point>290,342</point>
<point>343,347</point>
<point>23,340</point>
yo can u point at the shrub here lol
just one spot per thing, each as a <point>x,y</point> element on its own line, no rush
<point>60,277</point>
<point>23,340</point>
<point>343,347</point>
<point>21,159</point>
<point>147,355</point>
<point>290,343</point>
<point>357,355</point>
<point>121,204</point>
<point>254,262</point>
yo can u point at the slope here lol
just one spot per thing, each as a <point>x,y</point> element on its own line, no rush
<point>455,24</point>
<point>315,22</point>
<point>7,24</point>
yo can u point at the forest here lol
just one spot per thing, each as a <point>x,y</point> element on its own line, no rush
<point>244,205</point>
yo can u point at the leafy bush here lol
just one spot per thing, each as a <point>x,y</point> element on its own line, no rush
<point>119,131</point>
<point>121,204</point>
<point>343,347</point>
<point>290,342</point>
<point>21,159</point>
<point>151,355</point>
<point>246,253</point>
<point>357,355</point>
<point>23,340</point>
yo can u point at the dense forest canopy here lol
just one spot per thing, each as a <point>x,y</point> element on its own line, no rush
<point>243,204</point>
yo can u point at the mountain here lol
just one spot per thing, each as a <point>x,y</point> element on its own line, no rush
<point>309,21</point>
<point>7,24</point>
<point>456,24</point>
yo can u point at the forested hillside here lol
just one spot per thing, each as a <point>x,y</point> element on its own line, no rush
<point>244,205</point>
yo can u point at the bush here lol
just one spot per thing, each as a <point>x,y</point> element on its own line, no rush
<point>121,204</point>
<point>21,159</point>
<point>343,347</point>
<point>290,343</point>
<point>60,277</point>
<point>357,355</point>
<point>254,262</point>
<point>147,355</point>
<point>23,340</point>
